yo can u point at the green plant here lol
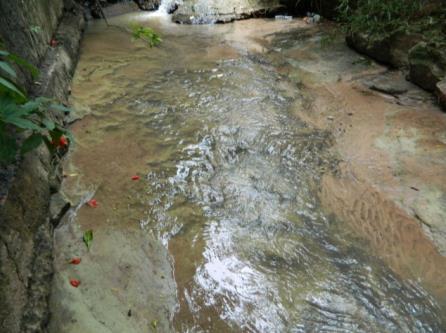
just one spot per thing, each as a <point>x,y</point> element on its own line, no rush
<point>146,34</point>
<point>378,17</point>
<point>19,114</point>
<point>384,18</point>
<point>88,238</point>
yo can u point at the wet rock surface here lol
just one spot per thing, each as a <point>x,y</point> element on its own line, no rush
<point>123,287</point>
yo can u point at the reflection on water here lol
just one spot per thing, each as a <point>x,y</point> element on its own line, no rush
<point>231,183</point>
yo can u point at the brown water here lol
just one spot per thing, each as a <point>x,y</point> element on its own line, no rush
<point>230,177</point>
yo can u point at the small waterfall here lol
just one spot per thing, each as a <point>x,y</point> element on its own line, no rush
<point>166,6</point>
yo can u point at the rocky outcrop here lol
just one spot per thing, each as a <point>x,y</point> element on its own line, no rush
<point>118,7</point>
<point>425,62</point>
<point>427,65</point>
<point>221,11</point>
<point>392,50</point>
<point>26,229</point>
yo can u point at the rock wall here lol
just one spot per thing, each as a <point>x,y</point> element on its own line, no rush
<point>221,11</point>
<point>26,215</point>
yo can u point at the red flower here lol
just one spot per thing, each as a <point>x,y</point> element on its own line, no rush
<point>75,283</point>
<point>136,177</point>
<point>63,142</point>
<point>75,261</point>
<point>92,203</point>
<point>53,42</point>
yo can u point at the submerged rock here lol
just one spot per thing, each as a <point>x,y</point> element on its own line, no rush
<point>221,11</point>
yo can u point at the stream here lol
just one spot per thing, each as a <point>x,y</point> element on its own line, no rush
<point>230,176</point>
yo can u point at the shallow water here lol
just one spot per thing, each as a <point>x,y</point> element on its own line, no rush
<point>230,183</point>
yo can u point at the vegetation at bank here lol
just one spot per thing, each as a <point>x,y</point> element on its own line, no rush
<point>386,17</point>
<point>25,123</point>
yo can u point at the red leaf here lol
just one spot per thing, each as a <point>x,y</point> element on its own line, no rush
<point>75,283</point>
<point>136,177</point>
<point>75,261</point>
<point>53,42</point>
<point>92,203</point>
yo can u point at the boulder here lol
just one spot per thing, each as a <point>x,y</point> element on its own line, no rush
<point>221,11</point>
<point>392,50</point>
<point>427,65</point>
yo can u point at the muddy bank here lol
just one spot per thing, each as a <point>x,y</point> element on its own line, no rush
<point>29,205</point>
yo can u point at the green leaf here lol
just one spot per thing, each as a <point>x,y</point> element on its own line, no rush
<point>56,134</point>
<point>4,53</point>
<point>22,123</point>
<point>7,107</point>
<point>25,64</point>
<point>60,107</point>
<point>70,137</point>
<point>49,124</point>
<point>30,106</point>
<point>88,238</point>
<point>31,143</point>
<point>8,147</point>
<point>5,67</point>
<point>35,29</point>
<point>9,87</point>
<point>154,323</point>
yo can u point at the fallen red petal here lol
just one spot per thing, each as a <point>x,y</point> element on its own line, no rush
<point>136,177</point>
<point>75,283</point>
<point>75,261</point>
<point>92,203</point>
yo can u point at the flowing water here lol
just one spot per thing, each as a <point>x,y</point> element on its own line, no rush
<point>230,183</point>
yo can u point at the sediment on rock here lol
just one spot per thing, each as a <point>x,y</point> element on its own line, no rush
<point>26,232</point>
